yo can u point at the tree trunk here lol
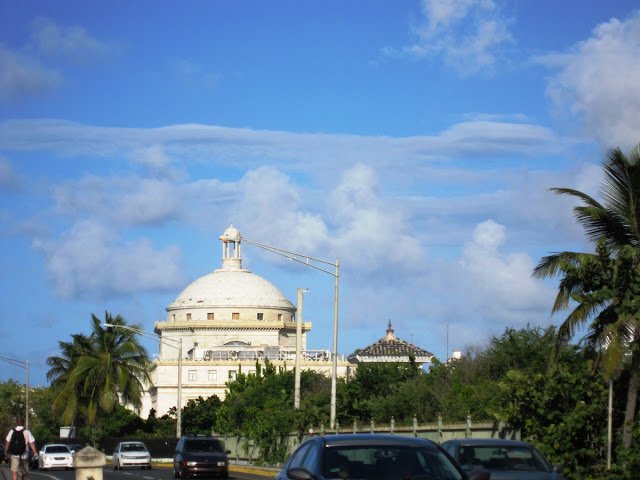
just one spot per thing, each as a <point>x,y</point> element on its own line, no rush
<point>632,396</point>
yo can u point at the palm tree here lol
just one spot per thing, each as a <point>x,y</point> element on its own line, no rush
<point>615,223</point>
<point>112,369</point>
<point>68,401</point>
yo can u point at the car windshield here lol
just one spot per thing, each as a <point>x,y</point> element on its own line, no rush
<point>504,458</point>
<point>133,447</point>
<point>383,463</point>
<point>202,445</point>
<point>58,449</point>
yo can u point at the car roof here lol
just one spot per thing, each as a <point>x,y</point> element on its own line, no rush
<point>129,442</point>
<point>55,445</point>
<point>491,442</point>
<point>374,439</point>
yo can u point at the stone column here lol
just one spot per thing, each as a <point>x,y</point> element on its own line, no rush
<point>88,463</point>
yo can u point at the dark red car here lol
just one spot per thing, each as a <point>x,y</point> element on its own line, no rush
<point>200,456</point>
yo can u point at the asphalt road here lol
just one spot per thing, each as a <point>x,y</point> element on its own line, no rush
<point>156,473</point>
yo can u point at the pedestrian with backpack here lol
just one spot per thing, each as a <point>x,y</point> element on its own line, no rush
<point>16,446</point>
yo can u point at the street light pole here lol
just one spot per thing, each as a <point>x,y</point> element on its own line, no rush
<point>179,409</point>
<point>153,336</point>
<point>24,365</point>
<point>334,367</point>
<point>296,397</point>
<point>306,260</point>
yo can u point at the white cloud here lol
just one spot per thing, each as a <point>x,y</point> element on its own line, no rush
<point>23,76</point>
<point>91,260</point>
<point>598,82</point>
<point>270,206</point>
<point>9,179</point>
<point>500,285</point>
<point>479,290</point>
<point>157,164</point>
<point>25,73</point>
<point>71,44</point>
<point>468,35</point>
<point>298,151</point>
<point>124,201</point>
<point>193,73</point>
<point>442,14</point>
<point>372,231</point>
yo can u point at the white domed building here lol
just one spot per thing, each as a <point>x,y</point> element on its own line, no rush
<point>227,320</point>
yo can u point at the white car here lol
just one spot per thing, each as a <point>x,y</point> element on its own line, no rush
<point>55,456</point>
<point>131,454</point>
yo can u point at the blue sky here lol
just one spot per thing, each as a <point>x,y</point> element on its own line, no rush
<point>414,140</point>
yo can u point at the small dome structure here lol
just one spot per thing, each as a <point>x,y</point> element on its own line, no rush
<point>232,234</point>
<point>390,350</point>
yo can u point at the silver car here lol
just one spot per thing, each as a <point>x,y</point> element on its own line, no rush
<point>131,454</point>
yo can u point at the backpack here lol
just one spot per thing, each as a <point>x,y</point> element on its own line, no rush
<point>17,445</point>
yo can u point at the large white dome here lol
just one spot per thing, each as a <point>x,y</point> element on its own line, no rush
<point>231,289</point>
<point>231,286</point>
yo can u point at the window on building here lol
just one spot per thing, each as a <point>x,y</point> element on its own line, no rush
<point>213,375</point>
<point>233,374</point>
<point>188,316</point>
<point>261,316</point>
<point>235,316</point>
<point>174,318</point>
<point>210,316</point>
<point>193,375</point>
<point>279,317</point>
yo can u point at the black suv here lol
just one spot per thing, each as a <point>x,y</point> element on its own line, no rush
<point>200,456</point>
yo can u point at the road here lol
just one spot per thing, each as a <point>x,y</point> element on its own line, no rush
<point>157,473</point>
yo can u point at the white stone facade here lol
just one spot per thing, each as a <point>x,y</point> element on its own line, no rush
<point>227,321</point>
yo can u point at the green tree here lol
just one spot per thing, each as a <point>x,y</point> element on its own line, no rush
<point>12,403</point>
<point>42,422</point>
<point>111,369</point>
<point>121,422</point>
<point>563,412</point>
<point>260,406</point>
<point>199,415</point>
<point>315,399</point>
<point>614,322</point>
<point>376,392</point>
<point>471,384</point>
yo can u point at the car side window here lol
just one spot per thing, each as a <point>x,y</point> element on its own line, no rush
<point>298,457</point>
<point>311,459</point>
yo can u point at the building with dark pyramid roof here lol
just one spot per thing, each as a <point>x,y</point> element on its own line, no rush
<point>390,350</point>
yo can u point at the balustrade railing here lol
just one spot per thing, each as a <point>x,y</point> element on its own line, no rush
<point>209,355</point>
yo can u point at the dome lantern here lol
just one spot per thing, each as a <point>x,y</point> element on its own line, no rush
<point>231,249</point>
